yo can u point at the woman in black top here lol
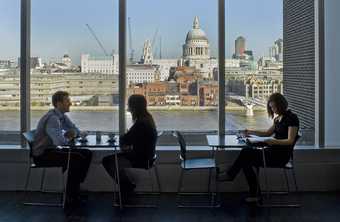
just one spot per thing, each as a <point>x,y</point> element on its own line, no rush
<point>138,144</point>
<point>284,131</point>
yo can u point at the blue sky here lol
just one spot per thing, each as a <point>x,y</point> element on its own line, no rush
<point>58,27</point>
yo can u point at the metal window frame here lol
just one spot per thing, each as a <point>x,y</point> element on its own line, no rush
<point>25,53</point>
<point>221,67</point>
<point>122,66</point>
<point>320,73</point>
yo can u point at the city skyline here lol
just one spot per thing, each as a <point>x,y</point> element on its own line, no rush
<point>259,34</point>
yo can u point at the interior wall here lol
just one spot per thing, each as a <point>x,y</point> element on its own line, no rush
<point>332,72</point>
<point>316,170</point>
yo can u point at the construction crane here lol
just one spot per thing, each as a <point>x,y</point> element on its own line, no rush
<point>132,51</point>
<point>154,38</point>
<point>153,47</point>
<point>94,35</point>
<point>160,47</point>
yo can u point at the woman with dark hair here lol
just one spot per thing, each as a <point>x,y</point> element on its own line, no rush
<point>137,145</point>
<point>284,133</point>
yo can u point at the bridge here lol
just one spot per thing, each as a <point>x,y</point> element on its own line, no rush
<point>248,103</point>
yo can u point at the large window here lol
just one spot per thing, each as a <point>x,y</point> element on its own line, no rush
<point>172,60</point>
<point>253,65</point>
<point>74,48</point>
<point>255,59</point>
<point>9,71</point>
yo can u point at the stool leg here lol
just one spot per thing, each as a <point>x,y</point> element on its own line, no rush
<point>258,182</point>
<point>151,180</point>
<point>286,178</point>
<point>179,187</point>
<point>295,183</point>
<point>209,189</point>
<point>41,190</point>
<point>216,188</point>
<point>42,180</point>
<point>27,181</point>
<point>114,193</point>
<point>265,172</point>
<point>63,188</point>
<point>157,179</point>
<point>152,186</point>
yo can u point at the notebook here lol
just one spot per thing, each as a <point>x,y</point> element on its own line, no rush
<point>258,139</point>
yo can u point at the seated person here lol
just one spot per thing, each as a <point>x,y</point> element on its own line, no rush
<point>56,129</point>
<point>284,131</point>
<point>137,145</point>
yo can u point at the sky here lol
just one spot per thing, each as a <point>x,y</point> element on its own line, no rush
<point>59,27</point>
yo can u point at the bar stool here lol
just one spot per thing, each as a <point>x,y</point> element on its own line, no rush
<point>151,166</point>
<point>195,164</point>
<point>29,137</point>
<point>288,167</point>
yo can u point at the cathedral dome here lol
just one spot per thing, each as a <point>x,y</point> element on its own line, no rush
<point>196,33</point>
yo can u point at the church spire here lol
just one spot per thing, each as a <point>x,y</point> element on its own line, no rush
<point>196,24</point>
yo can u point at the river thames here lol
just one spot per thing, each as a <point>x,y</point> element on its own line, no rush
<point>165,120</point>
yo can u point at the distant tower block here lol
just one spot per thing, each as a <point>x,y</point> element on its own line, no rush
<point>240,45</point>
<point>147,57</point>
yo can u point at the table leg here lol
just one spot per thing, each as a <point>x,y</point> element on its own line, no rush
<point>68,169</point>
<point>118,180</point>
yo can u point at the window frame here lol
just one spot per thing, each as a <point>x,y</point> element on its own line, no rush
<point>25,53</point>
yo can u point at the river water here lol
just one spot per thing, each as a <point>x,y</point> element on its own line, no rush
<point>165,120</point>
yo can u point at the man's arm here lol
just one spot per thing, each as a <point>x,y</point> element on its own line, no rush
<point>54,131</point>
<point>70,125</point>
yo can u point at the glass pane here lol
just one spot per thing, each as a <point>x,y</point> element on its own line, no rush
<point>254,64</point>
<point>172,54</point>
<point>9,72</point>
<point>74,49</point>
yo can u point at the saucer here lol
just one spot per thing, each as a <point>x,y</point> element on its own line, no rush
<point>83,140</point>
<point>111,140</point>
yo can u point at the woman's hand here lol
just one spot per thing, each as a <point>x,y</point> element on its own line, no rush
<point>270,142</point>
